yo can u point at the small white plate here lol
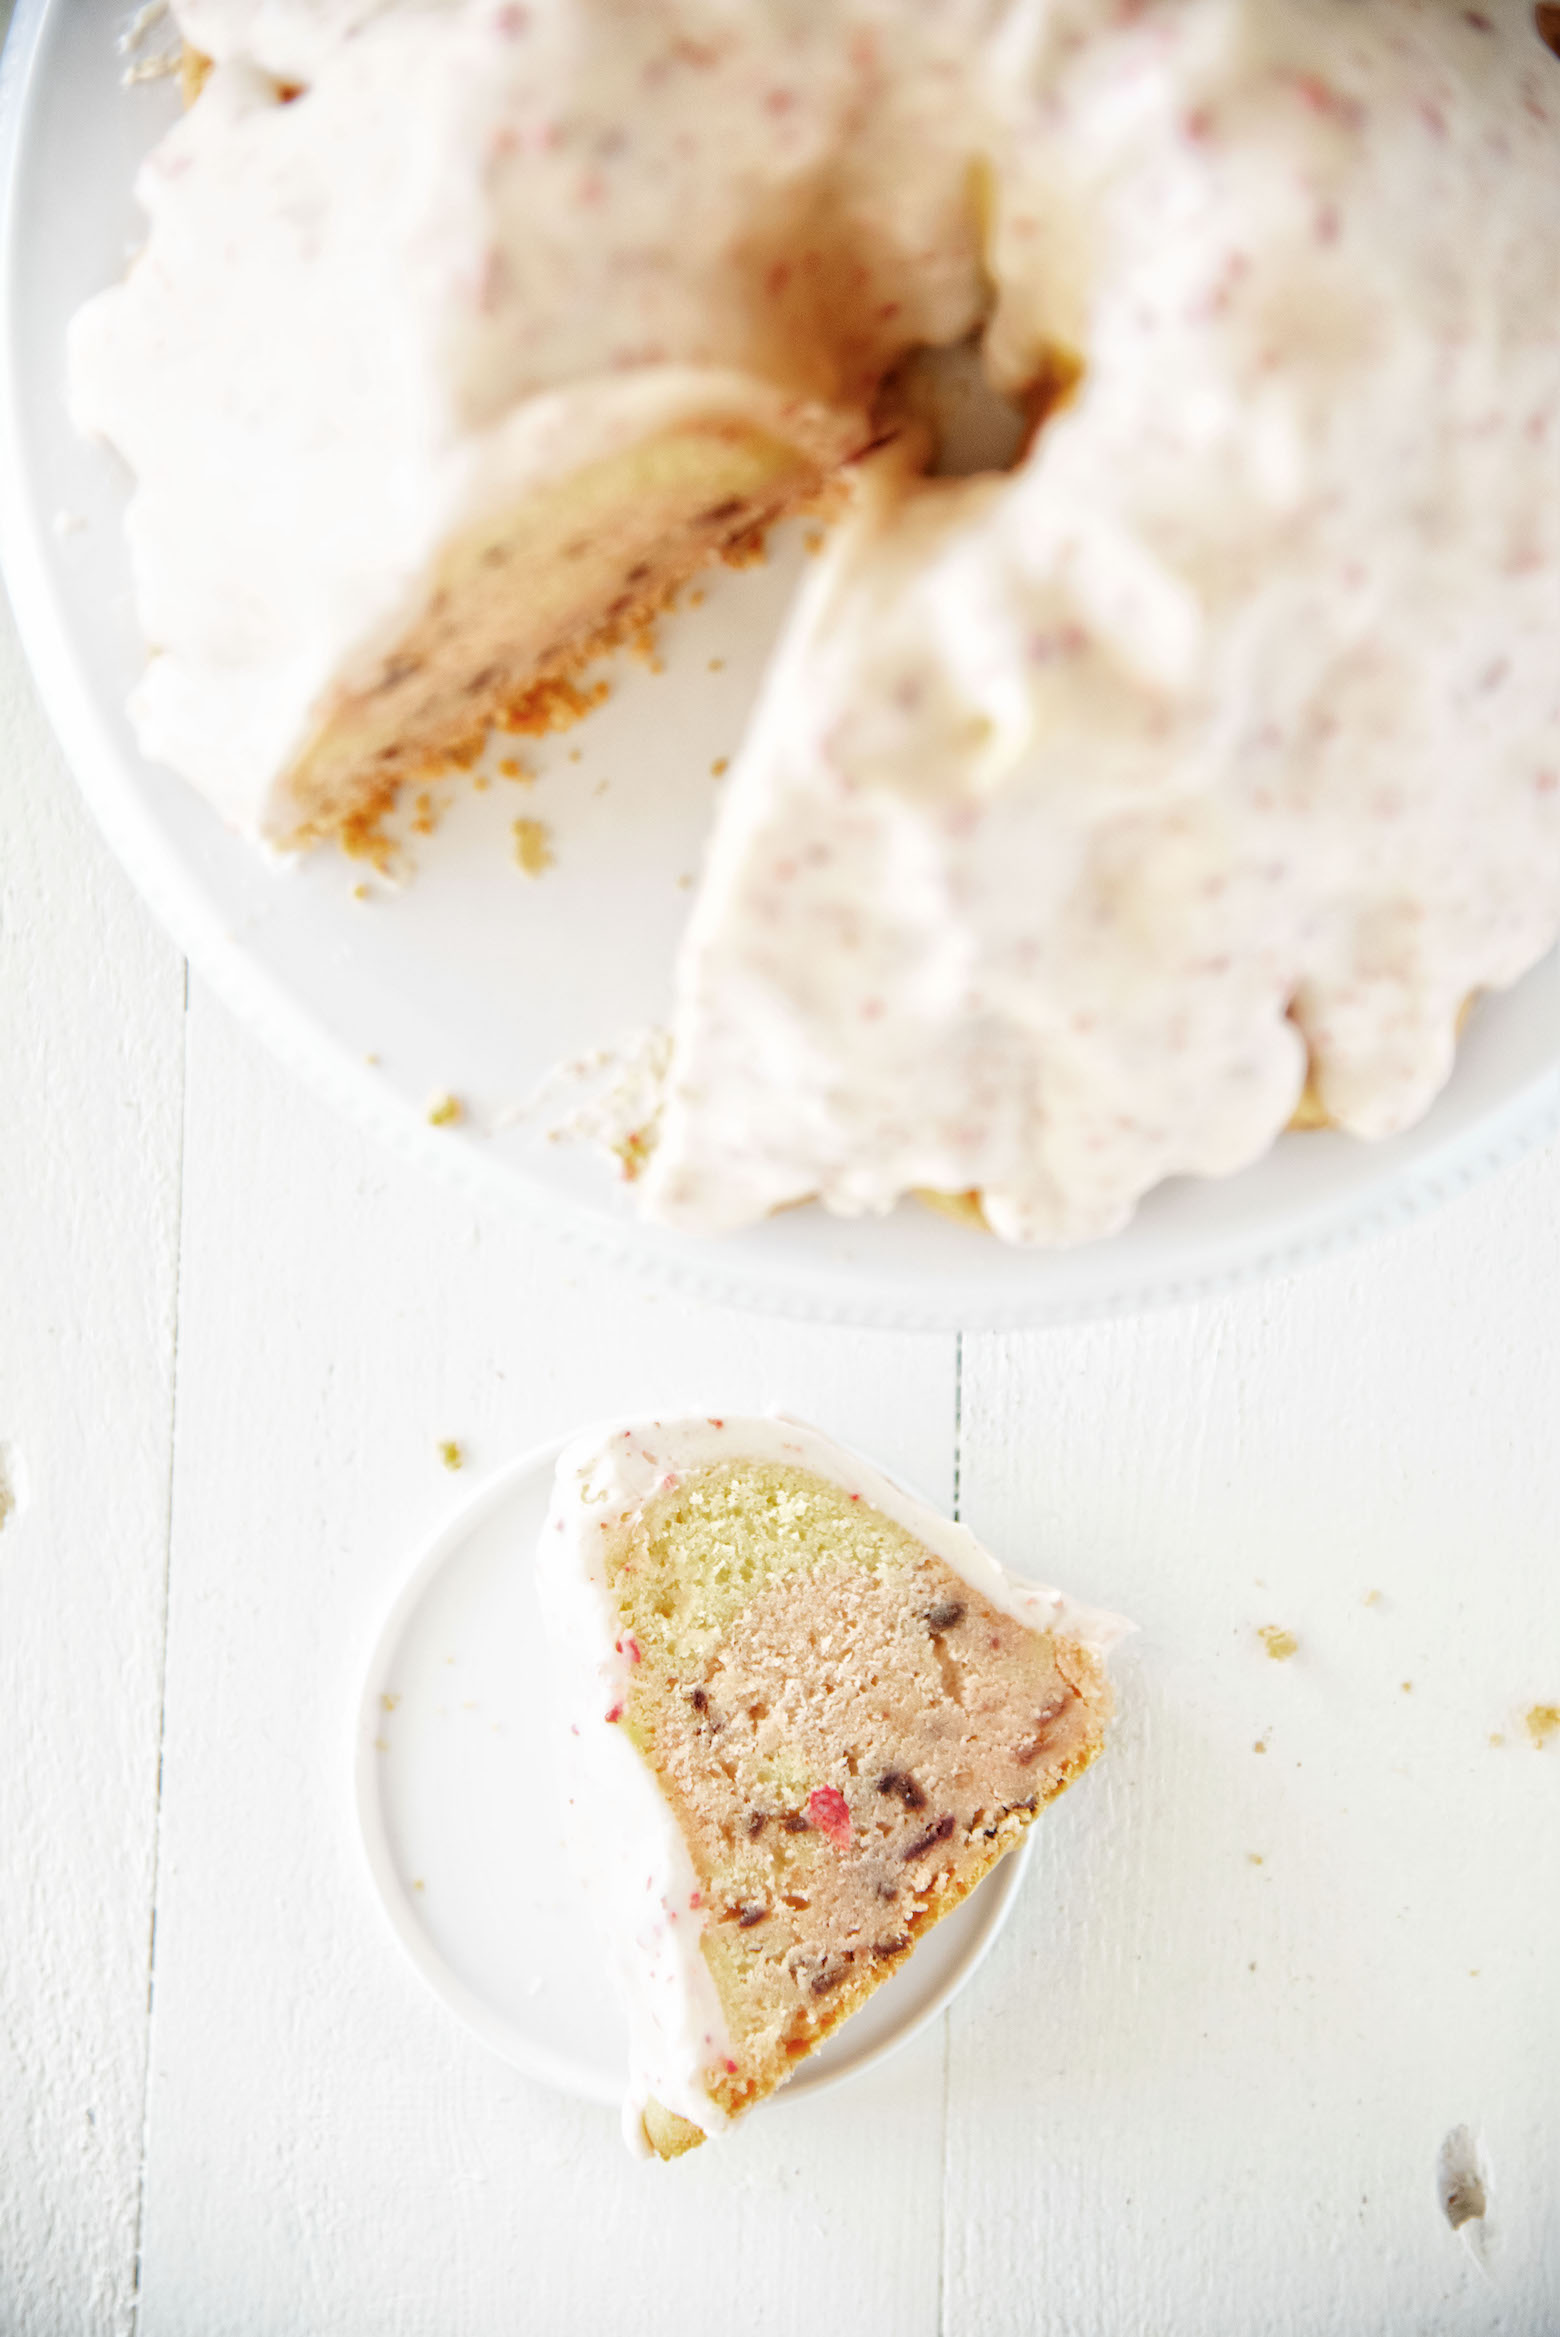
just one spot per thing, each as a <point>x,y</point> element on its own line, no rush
<point>477,980</point>
<point>462,1819</point>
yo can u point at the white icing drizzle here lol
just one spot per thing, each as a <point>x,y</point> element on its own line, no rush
<point>641,1877</point>
<point>1082,803</point>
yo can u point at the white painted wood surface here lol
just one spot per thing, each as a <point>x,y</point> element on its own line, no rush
<point>1191,2092</point>
<point>91,1099</point>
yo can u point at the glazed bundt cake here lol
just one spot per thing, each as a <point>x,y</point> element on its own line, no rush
<point>1101,812</point>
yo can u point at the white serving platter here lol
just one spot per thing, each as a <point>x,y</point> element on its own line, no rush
<point>478,981</point>
<point>465,1824</point>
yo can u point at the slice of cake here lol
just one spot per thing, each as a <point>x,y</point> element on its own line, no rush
<point>809,1715</point>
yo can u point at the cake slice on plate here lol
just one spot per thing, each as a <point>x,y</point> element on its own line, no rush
<point>810,1714</point>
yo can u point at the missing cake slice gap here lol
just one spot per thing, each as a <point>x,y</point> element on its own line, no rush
<point>807,1716</point>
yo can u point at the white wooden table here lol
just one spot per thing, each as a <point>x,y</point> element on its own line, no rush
<point>1303,1923</point>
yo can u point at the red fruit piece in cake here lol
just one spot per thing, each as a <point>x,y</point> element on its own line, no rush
<point>830,1813</point>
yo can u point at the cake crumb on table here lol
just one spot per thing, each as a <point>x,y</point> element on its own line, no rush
<point>533,846</point>
<point>446,1111</point>
<point>10,1486</point>
<point>1280,1644</point>
<point>633,1151</point>
<point>1542,1721</point>
<point>452,1454</point>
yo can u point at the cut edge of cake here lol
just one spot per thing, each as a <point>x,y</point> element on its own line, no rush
<point>531,588</point>
<point>521,603</point>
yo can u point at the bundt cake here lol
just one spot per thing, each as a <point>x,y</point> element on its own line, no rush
<point>1101,812</point>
